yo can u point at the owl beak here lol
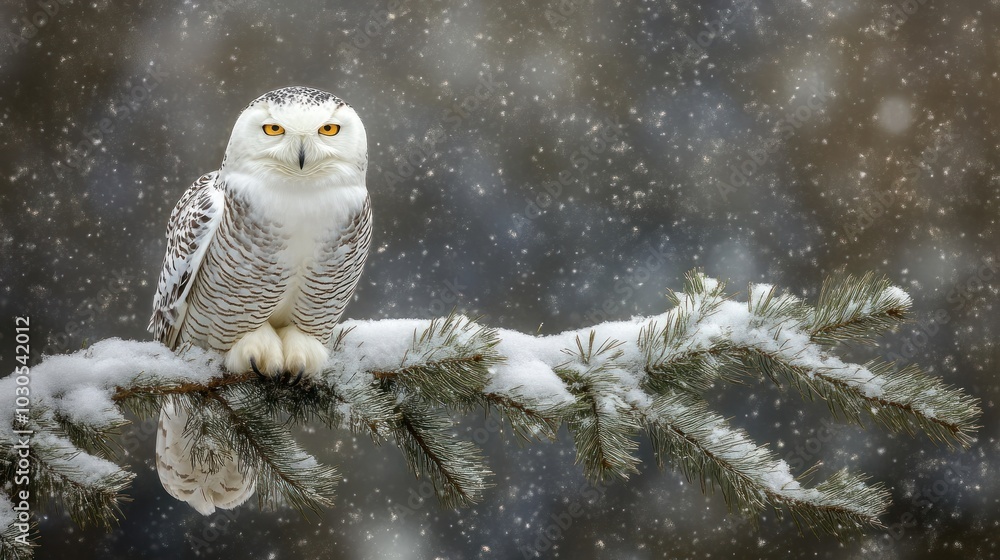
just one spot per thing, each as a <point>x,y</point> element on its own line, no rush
<point>302,155</point>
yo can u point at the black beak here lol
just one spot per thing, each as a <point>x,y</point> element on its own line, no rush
<point>302,156</point>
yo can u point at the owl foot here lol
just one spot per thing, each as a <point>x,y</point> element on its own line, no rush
<point>285,377</point>
<point>258,351</point>
<point>303,354</point>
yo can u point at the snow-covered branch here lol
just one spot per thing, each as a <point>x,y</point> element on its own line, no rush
<point>403,379</point>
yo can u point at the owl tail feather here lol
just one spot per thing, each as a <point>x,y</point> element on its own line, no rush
<point>193,483</point>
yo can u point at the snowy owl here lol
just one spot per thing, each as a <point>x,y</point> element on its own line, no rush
<point>262,257</point>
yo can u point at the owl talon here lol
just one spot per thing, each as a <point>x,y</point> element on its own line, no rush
<point>253,366</point>
<point>247,261</point>
<point>304,355</point>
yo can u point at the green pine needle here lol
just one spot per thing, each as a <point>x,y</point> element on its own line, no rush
<point>608,389</point>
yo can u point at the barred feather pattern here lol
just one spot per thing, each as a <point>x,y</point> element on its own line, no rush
<point>329,282</point>
<point>227,272</point>
<point>192,224</point>
<point>266,243</point>
<point>243,278</point>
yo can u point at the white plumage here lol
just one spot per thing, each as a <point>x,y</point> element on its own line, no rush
<point>262,257</point>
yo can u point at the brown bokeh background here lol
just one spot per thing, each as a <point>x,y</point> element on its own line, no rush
<point>875,133</point>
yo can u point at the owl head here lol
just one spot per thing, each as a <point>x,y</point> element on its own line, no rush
<point>297,136</point>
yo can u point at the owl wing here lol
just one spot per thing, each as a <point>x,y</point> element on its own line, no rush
<point>330,284</point>
<point>192,226</point>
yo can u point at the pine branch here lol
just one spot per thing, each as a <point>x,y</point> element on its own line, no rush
<point>453,466</point>
<point>846,505</point>
<point>901,401</point>
<point>283,468</point>
<point>96,440</point>
<point>604,431</point>
<point>448,362</point>
<point>683,354</point>
<point>701,444</point>
<point>449,381</point>
<point>906,398</point>
<point>528,422</point>
<point>368,409</point>
<point>851,309</point>
<point>89,487</point>
<point>145,400</point>
<point>405,378</point>
<point>776,336</point>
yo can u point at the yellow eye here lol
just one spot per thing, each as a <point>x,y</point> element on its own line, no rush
<point>329,129</point>
<point>274,129</point>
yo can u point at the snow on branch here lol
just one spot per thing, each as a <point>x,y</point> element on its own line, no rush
<point>403,380</point>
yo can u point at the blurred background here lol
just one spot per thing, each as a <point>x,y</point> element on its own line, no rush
<point>555,163</point>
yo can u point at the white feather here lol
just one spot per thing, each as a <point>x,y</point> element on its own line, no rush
<point>251,249</point>
<point>227,488</point>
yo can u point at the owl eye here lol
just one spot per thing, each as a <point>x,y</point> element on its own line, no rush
<point>274,129</point>
<point>329,129</point>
